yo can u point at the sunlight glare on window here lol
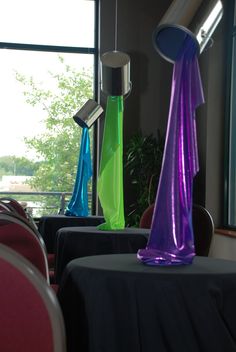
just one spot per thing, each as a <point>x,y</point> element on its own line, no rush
<point>53,22</point>
<point>48,66</point>
<point>20,119</point>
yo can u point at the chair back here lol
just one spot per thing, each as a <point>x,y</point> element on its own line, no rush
<point>203,227</point>
<point>14,204</point>
<point>17,234</point>
<point>6,207</point>
<point>146,218</point>
<point>31,318</point>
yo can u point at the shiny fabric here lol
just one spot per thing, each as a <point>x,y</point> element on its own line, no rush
<point>110,180</point>
<point>78,205</point>
<point>171,239</point>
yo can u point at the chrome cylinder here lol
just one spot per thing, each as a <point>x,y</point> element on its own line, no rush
<point>197,19</point>
<point>88,114</point>
<point>115,73</point>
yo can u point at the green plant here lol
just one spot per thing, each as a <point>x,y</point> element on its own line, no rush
<point>142,162</point>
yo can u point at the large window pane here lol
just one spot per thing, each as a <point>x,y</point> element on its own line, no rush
<point>20,119</point>
<point>47,71</point>
<point>56,86</point>
<point>48,22</point>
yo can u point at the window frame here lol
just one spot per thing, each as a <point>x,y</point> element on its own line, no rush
<point>230,113</point>
<point>76,50</point>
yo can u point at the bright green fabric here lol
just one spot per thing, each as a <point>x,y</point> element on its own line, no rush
<point>110,179</point>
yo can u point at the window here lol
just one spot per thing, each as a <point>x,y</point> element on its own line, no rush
<point>48,68</point>
<point>230,196</point>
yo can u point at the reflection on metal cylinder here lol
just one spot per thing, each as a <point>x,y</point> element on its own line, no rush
<point>196,19</point>
<point>115,73</point>
<point>88,114</point>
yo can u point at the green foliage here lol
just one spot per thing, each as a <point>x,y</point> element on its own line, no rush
<point>58,147</point>
<point>12,165</point>
<point>143,159</point>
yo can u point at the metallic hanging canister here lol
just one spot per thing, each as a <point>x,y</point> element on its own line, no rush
<point>195,18</point>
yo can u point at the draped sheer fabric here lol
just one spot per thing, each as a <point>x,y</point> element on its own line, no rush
<point>171,239</point>
<point>78,205</point>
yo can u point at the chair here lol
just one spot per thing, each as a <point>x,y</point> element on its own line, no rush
<point>6,207</point>
<point>14,205</point>
<point>31,318</point>
<point>11,205</point>
<point>203,227</point>
<point>146,218</point>
<point>18,234</point>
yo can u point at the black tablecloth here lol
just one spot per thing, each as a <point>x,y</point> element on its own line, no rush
<point>115,303</point>
<point>75,242</point>
<point>48,226</point>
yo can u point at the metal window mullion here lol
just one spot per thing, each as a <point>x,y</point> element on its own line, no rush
<point>232,160</point>
<point>48,48</point>
<point>230,30</point>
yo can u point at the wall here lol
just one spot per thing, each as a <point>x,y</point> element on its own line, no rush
<point>147,104</point>
<point>146,109</point>
<point>223,247</point>
<point>209,185</point>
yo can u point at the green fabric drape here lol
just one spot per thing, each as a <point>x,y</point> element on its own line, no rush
<point>110,179</point>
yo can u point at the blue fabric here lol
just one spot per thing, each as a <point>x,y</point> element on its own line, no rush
<point>78,205</point>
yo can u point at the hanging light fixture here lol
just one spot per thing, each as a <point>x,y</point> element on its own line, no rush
<point>196,19</point>
<point>115,68</point>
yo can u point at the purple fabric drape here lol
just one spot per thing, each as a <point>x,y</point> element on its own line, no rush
<point>171,240</point>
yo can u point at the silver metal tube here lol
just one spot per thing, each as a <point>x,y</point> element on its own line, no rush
<point>115,73</point>
<point>197,19</point>
<point>88,114</point>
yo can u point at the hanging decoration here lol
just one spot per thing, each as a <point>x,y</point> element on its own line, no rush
<point>78,205</point>
<point>171,240</point>
<point>85,118</point>
<point>116,85</point>
<point>110,180</point>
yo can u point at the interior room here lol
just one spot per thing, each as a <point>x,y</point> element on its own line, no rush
<point>146,109</point>
<point>136,247</point>
<point>148,104</point>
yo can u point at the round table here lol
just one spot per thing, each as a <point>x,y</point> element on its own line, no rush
<point>76,242</point>
<point>116,303</point>
<point>50,224</point>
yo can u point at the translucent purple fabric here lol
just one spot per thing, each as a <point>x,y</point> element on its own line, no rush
<point>171,240</point>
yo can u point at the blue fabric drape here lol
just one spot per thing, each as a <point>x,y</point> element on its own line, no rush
<point>78,205</point>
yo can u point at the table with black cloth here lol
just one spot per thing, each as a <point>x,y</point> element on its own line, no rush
<point>49,225</point>
<point>116,303</point>
<point>76,242</point>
